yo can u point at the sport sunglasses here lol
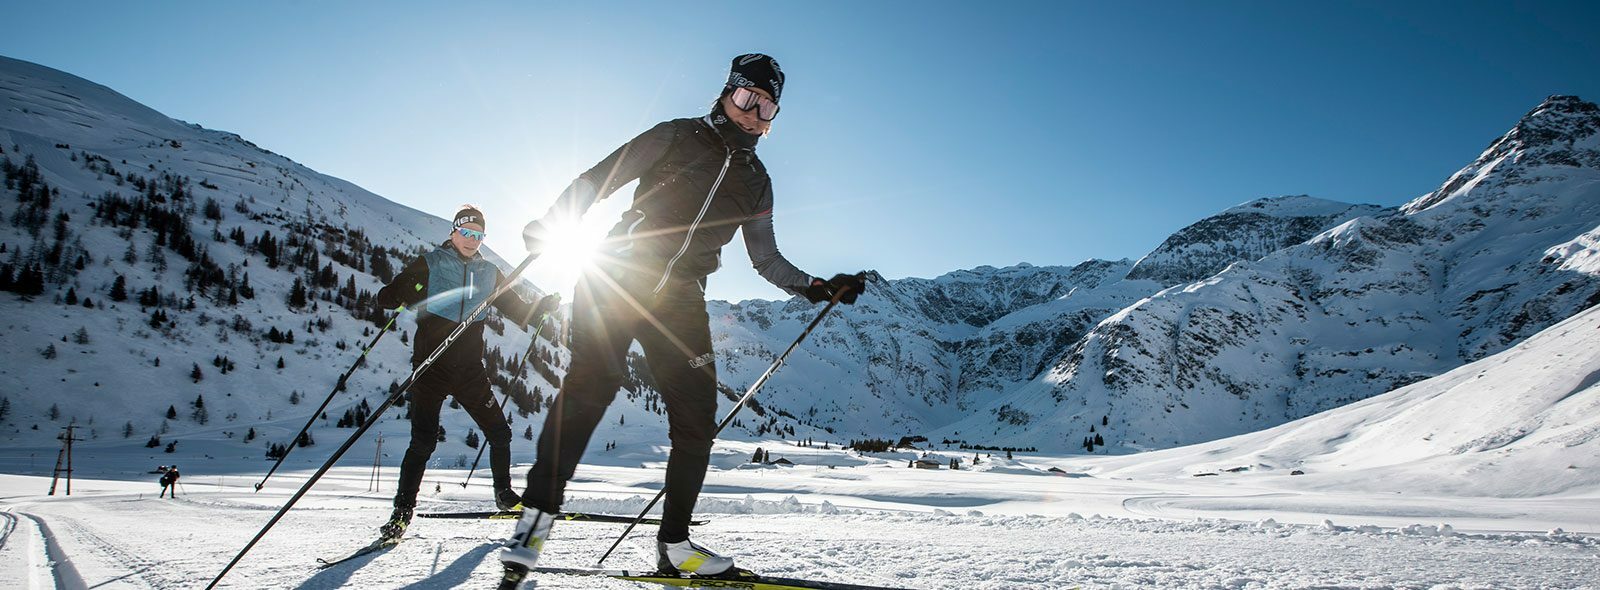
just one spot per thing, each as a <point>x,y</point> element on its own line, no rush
<point>470,234</point>
<point>747,99</point>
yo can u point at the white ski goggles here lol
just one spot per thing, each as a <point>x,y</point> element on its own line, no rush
<point>746,99</point>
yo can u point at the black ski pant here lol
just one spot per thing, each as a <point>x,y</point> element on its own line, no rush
<point>673,329</point>
<point>473,393</point>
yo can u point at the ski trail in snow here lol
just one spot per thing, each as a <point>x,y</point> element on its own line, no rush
<point>10,525</point>
<point>66,575</point>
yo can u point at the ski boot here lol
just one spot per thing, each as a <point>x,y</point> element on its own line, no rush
<point>688,558</point>
<point>528,541</point>
<point>396,527</point>
<point>521,553</point>
<point>507,500</point>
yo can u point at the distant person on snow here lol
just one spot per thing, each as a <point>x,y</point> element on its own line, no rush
<point>169,481</point>
<point>444,286</point>
<point>699,182</point>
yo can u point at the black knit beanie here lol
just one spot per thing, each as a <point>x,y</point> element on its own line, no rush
<point>758,70</point>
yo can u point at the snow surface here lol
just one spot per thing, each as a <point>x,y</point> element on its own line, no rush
<point>1398,491</point>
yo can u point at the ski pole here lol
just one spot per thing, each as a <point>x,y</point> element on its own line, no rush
<point>337,386</point>
<point>751,393</point>
<point>376,414</point>
<point>532,346</point>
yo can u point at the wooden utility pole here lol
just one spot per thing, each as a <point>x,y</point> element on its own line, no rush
<point>64,455</point>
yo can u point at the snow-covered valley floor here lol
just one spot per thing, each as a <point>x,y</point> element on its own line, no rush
<point>1008,524</point>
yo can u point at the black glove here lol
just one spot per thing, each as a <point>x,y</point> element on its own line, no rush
<point>821,290</point>
<point>547,304</point>
<point>536,312</point>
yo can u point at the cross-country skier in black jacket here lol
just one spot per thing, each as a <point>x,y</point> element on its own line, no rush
<point>169,480</point>
<point>699,182</point>
<point>444,286</point>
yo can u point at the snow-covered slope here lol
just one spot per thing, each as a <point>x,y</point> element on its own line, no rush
<point>1521,423</point>
<point>206,234</point>
<point>45,108</point>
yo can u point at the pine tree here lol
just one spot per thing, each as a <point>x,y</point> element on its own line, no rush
<point>472,438</point>
<point>195,373</point>
<point>305,439</point>
<point>200,415</point>
<point>5,408</point>
<point>81,336</point>
<point>155,441</point>
<point>127,430</point>
<point>297,294</point>
<point>294,396</point>
<point>280,363</point>
<point>49,352</point>
<point>172,446</point>
<point>119,289</point>
<point>72,296</point>
<point>54,413</point>
<point>251,435</point>
<point>528,434</point>
<point>172,413</point>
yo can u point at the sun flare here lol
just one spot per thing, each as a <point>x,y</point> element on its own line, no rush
<point>571,250</point>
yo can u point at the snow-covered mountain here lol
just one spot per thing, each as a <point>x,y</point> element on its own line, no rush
<point>1500,251</point>
<point>1246,232</point>
<point>1266,312</point>
<point>917,355</point>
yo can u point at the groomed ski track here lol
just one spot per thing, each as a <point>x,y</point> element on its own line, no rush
<point>113,536</point>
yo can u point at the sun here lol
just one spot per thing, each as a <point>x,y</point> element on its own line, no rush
<point>570,250</point>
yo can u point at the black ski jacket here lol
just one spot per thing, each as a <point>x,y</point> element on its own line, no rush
<point>443,288</point>
<point>694,193</point>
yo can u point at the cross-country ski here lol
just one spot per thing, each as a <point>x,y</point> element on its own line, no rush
<point>741,580</point>
<point>565,516</point>
<point>374,547</point>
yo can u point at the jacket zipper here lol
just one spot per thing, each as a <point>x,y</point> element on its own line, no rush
<point>688,237</point>
<point>465,278</point>
<point>628,245</point>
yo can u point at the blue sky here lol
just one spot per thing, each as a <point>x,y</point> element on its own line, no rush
<point>916,137</point>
